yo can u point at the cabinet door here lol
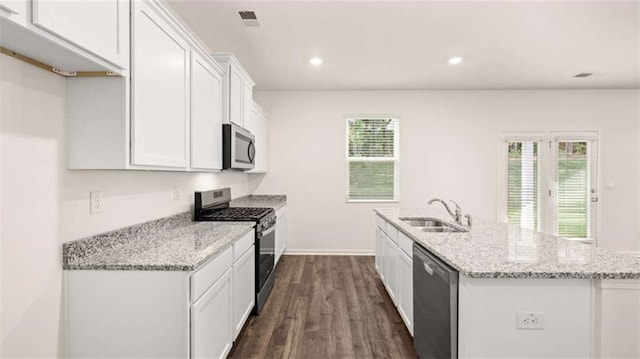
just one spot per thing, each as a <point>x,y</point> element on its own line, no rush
<point>100,27</point>
<point>391,259</point>
<point>206,115</point>
<point>284,235</point>
<point>236,87</point>
<point>211,334</point>
<point>247,100</point>
<point>378,257</point>
<point>281,236</point>
<point>244,289</point>
<point>383,254</point>
<point>405,289</point>
<point>160,91</point>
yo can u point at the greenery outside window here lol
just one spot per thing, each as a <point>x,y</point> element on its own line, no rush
<point>372,159</point>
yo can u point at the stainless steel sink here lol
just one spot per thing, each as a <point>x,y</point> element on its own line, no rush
<point>429,224</point>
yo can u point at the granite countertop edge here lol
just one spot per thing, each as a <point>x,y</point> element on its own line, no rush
<point>507,274</point>
<point>107,251</point>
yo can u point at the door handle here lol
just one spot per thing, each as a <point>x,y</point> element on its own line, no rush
<point>251,151</point>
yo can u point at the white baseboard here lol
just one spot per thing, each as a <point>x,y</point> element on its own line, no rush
<point>329,252</point>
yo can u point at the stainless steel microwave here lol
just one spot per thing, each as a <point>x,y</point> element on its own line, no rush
<point>238,148</point>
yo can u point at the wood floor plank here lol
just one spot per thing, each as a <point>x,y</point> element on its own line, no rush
<point>326,307</point>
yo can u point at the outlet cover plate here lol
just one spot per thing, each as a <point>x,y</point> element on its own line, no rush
<point>529,320</point>
<point>96,202</point>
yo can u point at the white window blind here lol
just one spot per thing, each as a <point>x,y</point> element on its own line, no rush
<point>573,197</point>
<point>372,159</point>
<point>522,184</point>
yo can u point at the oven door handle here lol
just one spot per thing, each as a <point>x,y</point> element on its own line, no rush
<point>268,231</point>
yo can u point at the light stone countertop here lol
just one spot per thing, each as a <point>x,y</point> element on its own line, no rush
<point>168,244</point>
<point>497,250</point>
<point>275,201</point>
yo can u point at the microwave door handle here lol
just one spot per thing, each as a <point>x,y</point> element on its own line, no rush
<point>252,151</point>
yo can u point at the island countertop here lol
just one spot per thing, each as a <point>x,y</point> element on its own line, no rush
<point>498,250</point>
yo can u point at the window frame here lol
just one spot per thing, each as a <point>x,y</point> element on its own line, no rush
<point>395,159</point>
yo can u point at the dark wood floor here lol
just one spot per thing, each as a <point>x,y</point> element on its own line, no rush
<point>326,307</point>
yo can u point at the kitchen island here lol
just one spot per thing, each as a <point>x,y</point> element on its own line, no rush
<point>506,274</point>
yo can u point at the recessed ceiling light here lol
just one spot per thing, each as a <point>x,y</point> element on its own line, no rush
<point>455,60</point>
<point>316,61</point>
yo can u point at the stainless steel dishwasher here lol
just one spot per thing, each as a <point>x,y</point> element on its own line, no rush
<point>435,306</point>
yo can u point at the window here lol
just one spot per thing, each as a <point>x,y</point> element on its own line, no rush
<point>372,159</point>
<point>548,183</point>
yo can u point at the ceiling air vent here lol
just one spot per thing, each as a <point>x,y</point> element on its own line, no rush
<point>583,74</point>
<point>249,18</point>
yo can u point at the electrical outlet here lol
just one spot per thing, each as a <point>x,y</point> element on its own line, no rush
<point>529,320</point>
<point>176,193</point>
<point>96,202</point>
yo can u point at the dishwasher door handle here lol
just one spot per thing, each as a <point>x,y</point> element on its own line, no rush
<point>428,268</point>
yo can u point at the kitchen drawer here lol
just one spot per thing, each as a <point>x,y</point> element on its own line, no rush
<point>243,245</point>
<point>405,243</point>
<point>392,232</point>
<point>204,277</point>
<point>380,222</point>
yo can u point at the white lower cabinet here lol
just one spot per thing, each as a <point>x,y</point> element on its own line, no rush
<point>394,264</point>
<point>405,289</point>
<point>160,314</point>
<point>244,274</point>
<point>391,268</point>
<point>211,335</point>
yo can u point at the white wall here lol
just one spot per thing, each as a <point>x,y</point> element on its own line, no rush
<point>44,205</point>
<point>448,149</point>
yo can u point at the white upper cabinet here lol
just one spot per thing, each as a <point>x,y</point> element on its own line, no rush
<point>160,91</point>
<point>100,27</point>
<point>237,91</point>
<point>247,101</point>
<point>235,94</point>
<point>206,114</point>
<point>259,126</point>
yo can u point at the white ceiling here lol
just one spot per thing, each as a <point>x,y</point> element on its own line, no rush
<point>404,45</point>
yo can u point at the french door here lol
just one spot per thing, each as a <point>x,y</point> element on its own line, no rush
<point>551,183</point>
<point>573,182</point>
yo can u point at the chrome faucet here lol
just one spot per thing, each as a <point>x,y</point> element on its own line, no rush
<point>457,215</point>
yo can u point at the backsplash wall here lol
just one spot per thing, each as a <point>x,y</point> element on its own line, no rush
<point>44,205</point>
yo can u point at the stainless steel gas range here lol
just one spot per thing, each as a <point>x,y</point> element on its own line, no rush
<point>214,206</point>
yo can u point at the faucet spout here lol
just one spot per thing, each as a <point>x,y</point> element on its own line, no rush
<point>457,215</point>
